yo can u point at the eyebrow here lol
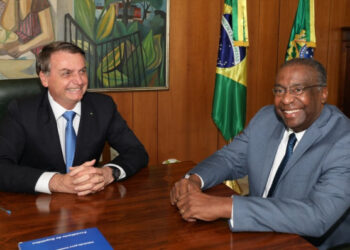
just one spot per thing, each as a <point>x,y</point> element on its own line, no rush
<point>67,69</point>
<point>292,85</point>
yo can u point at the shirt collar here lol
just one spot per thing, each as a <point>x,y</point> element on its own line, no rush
<point>58,110</point>
<point>298,135</point>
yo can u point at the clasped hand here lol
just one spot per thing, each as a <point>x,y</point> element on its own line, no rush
<point>82,180</point>
<point>193,204</point>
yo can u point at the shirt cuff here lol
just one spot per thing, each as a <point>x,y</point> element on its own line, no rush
<point>42,185</point>
<point>122,172</point>
<point>231,220</point>
<point>202,182</point>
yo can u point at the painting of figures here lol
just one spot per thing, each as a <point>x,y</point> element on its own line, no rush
<point>125,41</point>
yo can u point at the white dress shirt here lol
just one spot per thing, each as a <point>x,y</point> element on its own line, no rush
<point>281,151</point>
<point>42,184</point>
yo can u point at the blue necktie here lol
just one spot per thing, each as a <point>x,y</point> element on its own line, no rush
<point>289,151</point>
<point>70,138</point>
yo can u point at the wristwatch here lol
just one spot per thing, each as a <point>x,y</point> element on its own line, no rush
<point>115,173</point>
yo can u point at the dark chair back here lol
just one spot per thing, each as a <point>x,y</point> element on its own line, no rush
<point>17,88</point>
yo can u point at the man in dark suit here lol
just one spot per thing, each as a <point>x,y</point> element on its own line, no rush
<point>297,157</point>
<point>35,153</point>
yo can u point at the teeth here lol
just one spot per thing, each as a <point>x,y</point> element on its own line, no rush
<point>291,111</point>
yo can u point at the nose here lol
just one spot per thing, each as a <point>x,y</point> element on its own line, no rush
<point>287,98</point>
<point>78,78</point>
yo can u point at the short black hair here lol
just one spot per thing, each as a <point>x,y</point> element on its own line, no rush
<point>43,59</point>
<point>321,71</point>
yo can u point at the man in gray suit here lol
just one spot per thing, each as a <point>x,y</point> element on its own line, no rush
<point>296,186</point>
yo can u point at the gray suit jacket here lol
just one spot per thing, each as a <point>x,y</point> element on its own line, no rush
<point>312,197</point>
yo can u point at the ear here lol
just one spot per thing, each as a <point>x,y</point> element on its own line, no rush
<point>324,95</point>
<point>43,79</point>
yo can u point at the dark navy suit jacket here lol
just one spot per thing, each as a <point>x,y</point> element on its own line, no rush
<point>30,145</point>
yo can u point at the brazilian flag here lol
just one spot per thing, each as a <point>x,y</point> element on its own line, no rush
<point>229,102</point>
<point>302,39</point>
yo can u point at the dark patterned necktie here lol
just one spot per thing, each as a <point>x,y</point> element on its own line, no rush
<point>289,151</point>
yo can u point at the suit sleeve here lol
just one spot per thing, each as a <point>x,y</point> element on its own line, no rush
<point>314,214</point>
<point>15,177</point>
<point>230,162</point>
<point>132,155</point>
<point>315,197</point>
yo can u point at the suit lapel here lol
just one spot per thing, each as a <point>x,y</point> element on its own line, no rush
<point>309,138</point>
<point>85,128</point>
<point>47,121</point>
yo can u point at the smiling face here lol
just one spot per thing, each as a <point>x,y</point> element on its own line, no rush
<point>299,112</point>
<point>67,79</point>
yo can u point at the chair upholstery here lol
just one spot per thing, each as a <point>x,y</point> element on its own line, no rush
<point>17,88</point>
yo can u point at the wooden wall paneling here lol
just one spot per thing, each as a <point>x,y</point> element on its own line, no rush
<point>266,62</point>
<point>220,140</point>
<point>344,83</point>
<point>322,23</point>
<point>203,47</point>
<point>145,117</point>
<point>288,9</point>
<point>253,81</point>
<point>124,102</point>
<point>170,103</point>
<point>186,130</point>
<point>339,18</point>
<point>322,20</point>
<point>177,123</point>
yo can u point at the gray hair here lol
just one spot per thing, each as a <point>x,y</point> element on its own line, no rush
<point>43,59</point>
<point>317,66</point>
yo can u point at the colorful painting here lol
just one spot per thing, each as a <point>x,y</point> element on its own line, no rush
<point>25,25</point>
<point>125,41</point>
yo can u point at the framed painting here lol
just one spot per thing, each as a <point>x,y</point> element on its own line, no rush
<point>126,42</point>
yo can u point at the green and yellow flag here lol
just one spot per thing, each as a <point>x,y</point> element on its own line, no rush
<point>302,39</point>
<point>229,103</point>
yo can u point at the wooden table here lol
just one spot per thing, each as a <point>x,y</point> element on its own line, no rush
<point>133,214</point>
